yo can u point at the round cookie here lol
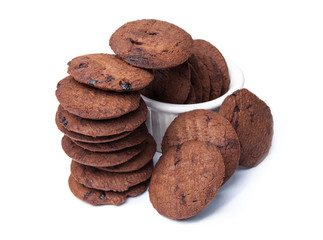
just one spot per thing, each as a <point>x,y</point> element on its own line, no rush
<point>216,57</point>
<point>185,179</point>
<point>136,137</point>
<point>89,139</point>
<point>171,85</point>
<point>200,49</point>
<point>94,178</point>
<point>205,125</point>
<point>99,159</point>
<point>107,127</point>
<point>196,84</point>
<point>99,197</point>
<point>203,76</point>
<point>138,161</point>
<point>253,122</point>
<point>108,72</point>
<point>151,44</point>
<point>87,102</point>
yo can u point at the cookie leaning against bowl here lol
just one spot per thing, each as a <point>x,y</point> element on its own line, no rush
<point>106,127</point>
<point>253,122</point>
<point>99,197</point>
<point>108,72</point>
<point>99,159</point>
<point>92,103</point>
<point>210,51</point>
<point>94,178</point>
<point>185,179</point>
<point>151,44</point>
<point>205,125</point>
<point>171,85</point>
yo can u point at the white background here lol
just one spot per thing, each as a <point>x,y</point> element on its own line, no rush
<point>278,45</point>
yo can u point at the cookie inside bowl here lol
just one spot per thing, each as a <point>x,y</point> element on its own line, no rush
<point>161,114</point>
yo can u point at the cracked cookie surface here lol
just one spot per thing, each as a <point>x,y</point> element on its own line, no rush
<point>253,122</point>
<point>185,179</point>
<point>151,44</point>
<point>108,72</point>
<point>205,125</point>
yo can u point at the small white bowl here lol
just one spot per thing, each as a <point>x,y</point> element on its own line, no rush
<point>161,114</point>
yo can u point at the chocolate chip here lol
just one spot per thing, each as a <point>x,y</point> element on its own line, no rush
<point>131,59</point>
<point>152,33</point>
<point>86,195</point>
<point>208,119</point>
<point>92,82</point>
<point>58,85</point>
<point>69,63</point>
<point>134,42</point>
<point>236,109</point>
<point>194,201</point>
<point>102,195</point>
<point>64,121</point>
<point>178,147</point>
<point>177,160</point>
<point>109,79</point>
<point>249,106</point>
<point>183,199</point>
<point>82,65</point>
<point>126,86</point>
<point>88,182</point>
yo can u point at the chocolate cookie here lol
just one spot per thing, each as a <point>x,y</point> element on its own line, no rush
<point>107,127</point>
<point>138,161</point>
<point>136,137</point>
<point>98,159</point>
<point>87,102</point>
<point>253,122</point>
<point>108,72</point>
<point>89,139</point>
<point>171,85</point>
<point>202,74</point>
<point>201,49</point>
<point>205,125</point>
<point>151,44</point>
<point>185,179</point>
<point>196,84</point>
<point>191,98</point>
<point>99,197</point>
<point>210,51</point>
<point>94,178</point>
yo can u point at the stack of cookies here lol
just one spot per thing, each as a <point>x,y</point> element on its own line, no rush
<point>186,71</point>
<point>103,119</point>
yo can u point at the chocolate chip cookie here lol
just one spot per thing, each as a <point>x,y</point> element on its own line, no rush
<point>151,44</point>
<point>88,102</point>
<point>205,125</point>
<point>108,72</point>
<point>185,179</point>
<point>253,122</point>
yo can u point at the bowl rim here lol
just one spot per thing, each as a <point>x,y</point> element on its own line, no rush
<point>236,82</point>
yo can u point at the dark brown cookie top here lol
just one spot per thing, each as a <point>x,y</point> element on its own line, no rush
<point>92,177</point>
<point>171,85</point>
<point>216,57</point>
<point>151,44</point>
<point>253,122</point>
<point>205,125</point>
<point>108,72</point>
<point>138,161</point>
<point>99,159</point>
<point>138,136</point>
<point>84,138</point>
<point>185,179</point>
<point>106,127</point>
<point>92,103</point>
<point>99,197</point>
<point>203,76</point>
<point>201,50</point>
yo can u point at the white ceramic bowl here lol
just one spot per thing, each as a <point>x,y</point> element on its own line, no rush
<point>161,114</point>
